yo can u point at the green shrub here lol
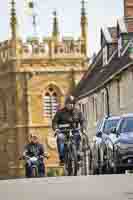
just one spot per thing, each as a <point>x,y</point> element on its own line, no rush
<point>53,172</point>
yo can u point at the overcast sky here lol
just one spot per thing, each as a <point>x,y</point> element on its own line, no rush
<point>100,13</point>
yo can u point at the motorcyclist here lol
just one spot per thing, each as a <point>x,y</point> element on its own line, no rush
<point>34,149</point>
<point>68,115</point>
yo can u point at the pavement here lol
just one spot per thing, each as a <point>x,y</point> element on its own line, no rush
<point>102,187</point>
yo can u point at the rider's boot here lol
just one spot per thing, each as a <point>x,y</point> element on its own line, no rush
<point>28,171</point>
<point>79,155</point>
<point>61,161</point>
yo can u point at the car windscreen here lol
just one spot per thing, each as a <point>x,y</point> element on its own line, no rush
<point>99,124</point>
<point>109,124</point>
<point>126,125</point>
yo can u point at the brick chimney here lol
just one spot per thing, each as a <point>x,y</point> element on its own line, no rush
<point>128,8</point>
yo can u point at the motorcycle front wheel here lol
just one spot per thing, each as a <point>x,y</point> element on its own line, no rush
<point>71,162</point>
<point>34,172</point>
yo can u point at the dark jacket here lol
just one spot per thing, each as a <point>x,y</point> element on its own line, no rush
<point>32,150</point>
<point>64,116</point>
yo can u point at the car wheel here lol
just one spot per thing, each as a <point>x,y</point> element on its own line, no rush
<point>90,163</point>
<point>94,163</point>
<point>101,168</point>
<point>109,160</point>
<point>118,170</point>
<point>94,169</point>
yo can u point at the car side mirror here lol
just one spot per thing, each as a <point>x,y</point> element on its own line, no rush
<point>99,134</point>
<point>113,130</point>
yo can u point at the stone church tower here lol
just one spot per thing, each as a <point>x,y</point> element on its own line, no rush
<point>35,77</point>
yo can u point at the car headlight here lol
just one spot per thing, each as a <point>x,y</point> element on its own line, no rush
<point>121,146</point>
<point>118,144</point>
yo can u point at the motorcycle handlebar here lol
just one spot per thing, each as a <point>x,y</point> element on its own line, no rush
<point>28,157</point>
<point>57,131</point>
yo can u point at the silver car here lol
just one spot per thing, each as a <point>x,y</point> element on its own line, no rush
<point>98,158</point>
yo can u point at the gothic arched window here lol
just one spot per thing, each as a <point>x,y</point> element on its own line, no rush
<point>50,102</point>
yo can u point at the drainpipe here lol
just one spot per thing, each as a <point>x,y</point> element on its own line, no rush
<point>108,108</point>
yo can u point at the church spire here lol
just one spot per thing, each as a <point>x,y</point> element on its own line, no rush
<point>13,20</point>
<point>84,27</point>
<point>55,33</point>
<point>83,12</point>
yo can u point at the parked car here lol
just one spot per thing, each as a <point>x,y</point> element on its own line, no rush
<point>98,157</point>
<point>120,145</point>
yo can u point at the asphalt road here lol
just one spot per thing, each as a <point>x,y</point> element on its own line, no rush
<point>112,187</point>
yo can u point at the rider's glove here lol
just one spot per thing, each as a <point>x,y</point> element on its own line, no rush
<point>41,156</point>
<point>56,132</point>
<point>26,157</point>
<point>83,131</point>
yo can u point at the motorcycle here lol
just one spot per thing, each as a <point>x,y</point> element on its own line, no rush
<point>34,162</point>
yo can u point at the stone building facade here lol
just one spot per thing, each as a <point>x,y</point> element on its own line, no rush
<point>106,88</point>
<point>35,77</point>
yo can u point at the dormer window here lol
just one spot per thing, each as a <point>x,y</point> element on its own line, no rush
<point>126,39</point>
<point>105,55</point>
<point>130,50</point>
<point>119,46</point>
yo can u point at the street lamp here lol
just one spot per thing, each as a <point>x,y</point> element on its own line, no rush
<point>107,98</point>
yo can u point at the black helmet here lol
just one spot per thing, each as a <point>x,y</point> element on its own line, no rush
<point>70,100</point>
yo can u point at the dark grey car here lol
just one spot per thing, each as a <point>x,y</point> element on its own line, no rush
<point>98,162</point>
<point>121,145</point>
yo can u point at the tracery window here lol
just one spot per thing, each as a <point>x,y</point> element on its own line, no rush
<point>50,102</point>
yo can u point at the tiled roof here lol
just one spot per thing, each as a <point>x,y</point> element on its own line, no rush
<point>101,74</point>
<point>98,75</point>
<point>96,62</point>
